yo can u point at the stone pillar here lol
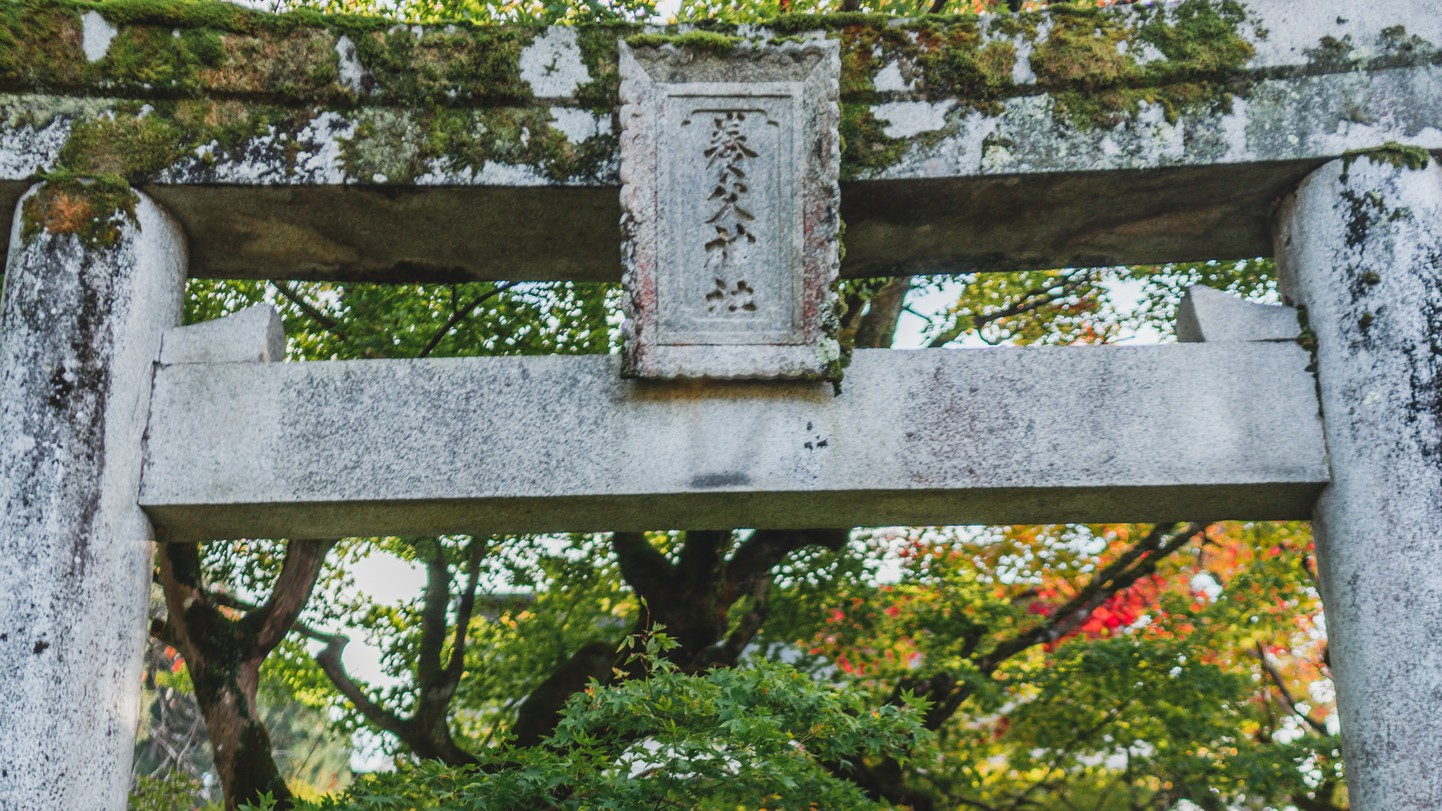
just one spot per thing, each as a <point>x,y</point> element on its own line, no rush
<point>94,276</point>
<point>1360,247</point>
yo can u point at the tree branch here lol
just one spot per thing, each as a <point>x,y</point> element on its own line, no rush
<point>1031,300</point>
<point>1281,684</point>
<point>457,665</point>
<point>433,614</point>
<point>267,625</point>
<point>644,568</point>
<point>764,549</point>
<point>300,627</point>
<point>878,326</point>
<point>309,309</point>
<point>702,556</point>
<point>330,663</point>
<point>947,694</point>
<point>1134,564</point>
<point>460,315</point>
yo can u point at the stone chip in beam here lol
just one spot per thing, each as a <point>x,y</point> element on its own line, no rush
<point>252,335</point>
<point>1210,315</point>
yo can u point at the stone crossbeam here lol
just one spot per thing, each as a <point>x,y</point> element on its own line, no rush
<point>332,148</point>
<point>323,449</point>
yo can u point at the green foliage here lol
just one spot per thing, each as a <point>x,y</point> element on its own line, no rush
<point>1153,699</point>
<point>754,737</point>
<point>172,791</point>
<point>694,40</point>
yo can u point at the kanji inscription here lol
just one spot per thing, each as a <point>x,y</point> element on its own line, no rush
<point>728,165</point>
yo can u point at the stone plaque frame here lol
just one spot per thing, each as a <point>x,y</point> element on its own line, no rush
<point>730,210</point>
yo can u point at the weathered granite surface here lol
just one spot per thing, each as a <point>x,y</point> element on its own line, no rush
<point>1360,248</point>
<point>79,332</point>
<point>323,147</point>
<point>554,443</point>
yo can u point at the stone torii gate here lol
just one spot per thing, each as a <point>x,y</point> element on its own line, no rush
<point>139,145</point>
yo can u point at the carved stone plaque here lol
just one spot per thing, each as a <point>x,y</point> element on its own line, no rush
<point>730,210</point>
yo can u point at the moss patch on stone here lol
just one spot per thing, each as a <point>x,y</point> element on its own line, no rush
<point>168,49</point>
<point>446,66</point>
<point>40,45</point>
<point>91,209</point>
<point>1092,61</point>
<point>1399,156</point>
<point>599,55</point>
<point>706,41</point>
<point>138,142</point>
<point>214,74</point>
<point>392,147</point>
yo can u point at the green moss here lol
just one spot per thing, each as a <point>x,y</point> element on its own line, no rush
<point>1019,26</point>
<point>92,209</point>
<point>1331,54</point>
<point>1089,62</point>
<point>466,104</point>
<point>709,41</point>
<point>446,67</point>
<point>300,65</point>
<point>394,147</point>
<point>864,142</point>
<point>955,61</point>
<point>137,142</point>
<point>787,24</point>
<point>1084,60</point>
<point>167,49</point>
<point>152,57</point>
<point>40,45</point>
<point>601,58</point>
<point>129,145</point>
<point>1393,154</point>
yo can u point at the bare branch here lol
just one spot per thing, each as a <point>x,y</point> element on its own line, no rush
<point>1286,695</point>
<point>330,663</point>
<point>309,309</point>
<point>1030,301</point>
<point>460,315</point>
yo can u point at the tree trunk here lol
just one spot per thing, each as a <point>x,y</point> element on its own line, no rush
<point>224,656</point>
<point>244,761</point>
